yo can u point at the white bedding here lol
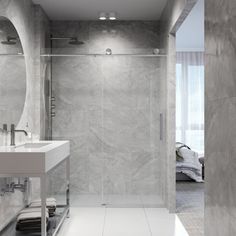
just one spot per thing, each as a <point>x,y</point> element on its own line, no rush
<point>190,164</point>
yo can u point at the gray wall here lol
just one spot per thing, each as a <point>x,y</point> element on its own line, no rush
<point>109,107</point>
<point>220,133</point>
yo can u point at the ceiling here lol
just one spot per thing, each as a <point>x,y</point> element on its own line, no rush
<point>190,36</point>
<point>89,9</point>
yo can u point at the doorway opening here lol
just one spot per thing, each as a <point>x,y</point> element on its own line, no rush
<point>190,121</point>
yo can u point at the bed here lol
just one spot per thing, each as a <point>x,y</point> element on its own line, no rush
<point>189,165</point>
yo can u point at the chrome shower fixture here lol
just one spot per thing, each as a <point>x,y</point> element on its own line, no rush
<point>71,40</point>
<point>156,51</point>
<point>108,51</point>
<point>10,40</point>
<point>75,41</point>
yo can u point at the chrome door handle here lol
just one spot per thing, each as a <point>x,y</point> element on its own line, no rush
<point>161,126</point>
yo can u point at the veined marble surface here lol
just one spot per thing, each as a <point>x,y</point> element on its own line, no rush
<point>220,70</point>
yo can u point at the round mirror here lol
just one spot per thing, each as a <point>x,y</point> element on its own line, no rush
<point>12,74</point>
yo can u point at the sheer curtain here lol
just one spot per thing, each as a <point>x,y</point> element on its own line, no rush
<point>190,99</point>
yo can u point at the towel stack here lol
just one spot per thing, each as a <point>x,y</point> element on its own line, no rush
<point>29,219</point>
<point>50,203</point>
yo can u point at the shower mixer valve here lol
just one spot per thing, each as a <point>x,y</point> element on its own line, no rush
<point>11,187</point>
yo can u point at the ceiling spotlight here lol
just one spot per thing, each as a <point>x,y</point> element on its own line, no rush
<point>112,16</point>
<point>102,16</point>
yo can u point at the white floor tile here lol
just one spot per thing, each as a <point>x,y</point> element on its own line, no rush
<point>86,200</point>
<point>122,222</point>
<point>84,222</point>
<point>124,200</point>
<point>152,200</point>
<point>126,222</point>
<point>162,223</point>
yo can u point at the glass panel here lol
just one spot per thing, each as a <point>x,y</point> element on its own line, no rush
<point>109,108</point>
<point>179,103</point>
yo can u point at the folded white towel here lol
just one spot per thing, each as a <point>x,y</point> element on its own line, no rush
<point>31,216</point>
<point>50,202</point>
<point>30,210</point>
<point>50,199</point>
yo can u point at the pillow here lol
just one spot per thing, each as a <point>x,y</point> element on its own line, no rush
<point>187,154</point>
<point>179,146</point>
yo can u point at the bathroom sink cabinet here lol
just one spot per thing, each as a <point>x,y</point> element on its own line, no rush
<point>38,160</point>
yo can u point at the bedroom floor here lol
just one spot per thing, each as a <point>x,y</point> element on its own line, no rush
<point>190,206</point>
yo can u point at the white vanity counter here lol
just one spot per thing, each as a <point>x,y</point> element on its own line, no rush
<point>33,158</point>
<point>36,160</point>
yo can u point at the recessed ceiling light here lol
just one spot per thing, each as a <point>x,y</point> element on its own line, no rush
<point>102,16</point>
<point>112,16</point>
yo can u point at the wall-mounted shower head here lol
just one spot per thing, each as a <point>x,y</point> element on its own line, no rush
<point>71,40</point>
<point>75,41</point>
<point>10,41</point>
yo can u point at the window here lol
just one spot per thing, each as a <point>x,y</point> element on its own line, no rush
<point>190,99</point>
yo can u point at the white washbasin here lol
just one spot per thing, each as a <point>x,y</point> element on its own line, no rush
<point>33,158</point>
<point>32,145</point>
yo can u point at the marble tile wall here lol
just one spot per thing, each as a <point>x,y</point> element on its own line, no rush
<point>220,103</point>
<point>109,107</point>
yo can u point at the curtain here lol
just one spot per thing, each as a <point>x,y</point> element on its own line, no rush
<point>190,99</point>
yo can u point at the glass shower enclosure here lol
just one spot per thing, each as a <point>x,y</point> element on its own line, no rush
<point>112,109</point>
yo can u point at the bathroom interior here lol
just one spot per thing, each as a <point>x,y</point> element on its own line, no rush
<point>110,111</point>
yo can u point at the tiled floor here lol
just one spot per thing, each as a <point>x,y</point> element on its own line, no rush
<point>103,221</point>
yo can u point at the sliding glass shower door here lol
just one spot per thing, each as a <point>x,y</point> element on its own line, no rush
<point>111,109</point>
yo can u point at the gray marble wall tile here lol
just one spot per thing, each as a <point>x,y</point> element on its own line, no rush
<point>126,130</point>
<point>220,133</point>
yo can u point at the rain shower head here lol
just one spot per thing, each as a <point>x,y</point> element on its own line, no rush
<point>10,41</point>
<point>71,40</point>
<point>75,41</point>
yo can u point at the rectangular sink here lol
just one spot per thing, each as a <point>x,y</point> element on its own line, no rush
<point>33,145</point>
<point>34,158</point>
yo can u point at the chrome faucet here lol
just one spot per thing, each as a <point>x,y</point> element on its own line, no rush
<point>13,131</point>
